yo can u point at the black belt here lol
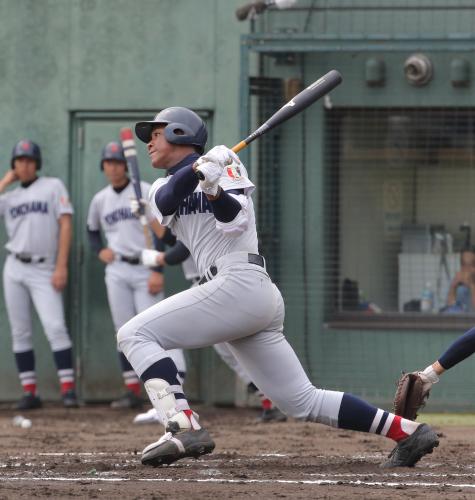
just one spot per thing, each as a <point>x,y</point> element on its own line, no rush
<point>130,260</point>
<point>252,258</point>
<point>27,258</point>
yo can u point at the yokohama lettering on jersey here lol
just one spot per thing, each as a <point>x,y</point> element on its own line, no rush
<point>31,216</point>
<point>195,225</point>
<point>110,211</point>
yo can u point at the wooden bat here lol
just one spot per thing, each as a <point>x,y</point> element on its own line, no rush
<point>297,104</point>
<point>130,153</point>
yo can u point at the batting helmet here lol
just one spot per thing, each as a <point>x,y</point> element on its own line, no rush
<point>28,149</point>
<point>112,151</point>
<point>183,126</point>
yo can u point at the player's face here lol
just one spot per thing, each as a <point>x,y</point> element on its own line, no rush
<point>162,154</point>
<point>115,171</point>
<point>25,168</point>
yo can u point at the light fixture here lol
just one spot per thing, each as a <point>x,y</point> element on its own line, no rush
<point>250,10</point>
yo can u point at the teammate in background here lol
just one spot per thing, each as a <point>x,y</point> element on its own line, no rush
<point>179,254</point>
<point>236,303</point>
<point>461,295</point>
<point>38,217</point>
<point>131,287</point>
<point>460,349</point>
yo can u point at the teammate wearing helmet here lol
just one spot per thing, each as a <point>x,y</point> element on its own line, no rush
<point>236,303</point>
<point>38,217</point>
<point>131,287</point>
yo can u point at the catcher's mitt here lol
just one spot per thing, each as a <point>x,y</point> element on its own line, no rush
<point>411,395</point>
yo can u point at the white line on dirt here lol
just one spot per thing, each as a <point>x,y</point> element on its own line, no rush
<point>318,482</point>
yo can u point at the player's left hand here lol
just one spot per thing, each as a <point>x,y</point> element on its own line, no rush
<point>220,155</point>
<point>155,283</point>
<point>59,278</point>
<point>212,173</point>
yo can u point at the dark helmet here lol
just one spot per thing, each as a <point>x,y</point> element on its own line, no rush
<point>112,151</point>
<point>28,149</point>
<point>183,126</point>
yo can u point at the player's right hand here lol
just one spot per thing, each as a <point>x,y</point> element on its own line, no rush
<point>106,255</point>
<point>9,177</point>
<point>221,155</point>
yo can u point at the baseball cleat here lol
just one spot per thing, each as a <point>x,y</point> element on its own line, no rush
<point>410,450</point>
<point>174,445</point>
<point>272,415</point>
<point>29,402</point>
<point>70,399</point>
<point>148,417</point>
<point>128,400</point>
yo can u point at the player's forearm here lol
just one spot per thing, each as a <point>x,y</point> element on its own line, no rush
<point>64,240</point>
<point>225,207</point>
<point>95,240</point>
<point>157,228</point>
<point>168,237</point>
<point>176,255</point>
<point>181,185</point>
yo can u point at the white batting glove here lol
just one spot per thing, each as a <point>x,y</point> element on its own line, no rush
<point>149,258</point>
<point>137,205</point>
<point>221,155</point>
<point>212,173</point>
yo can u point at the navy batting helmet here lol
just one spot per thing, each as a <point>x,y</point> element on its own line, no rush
<point>183,126</point>
<point>112,151</point>
<point>27,149</point>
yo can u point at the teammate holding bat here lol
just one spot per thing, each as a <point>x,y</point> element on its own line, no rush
<point>236,303</point>
<point>131,287</point>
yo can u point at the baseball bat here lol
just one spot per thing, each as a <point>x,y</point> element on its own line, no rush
<point>130,153</point>
<point>297,104</point>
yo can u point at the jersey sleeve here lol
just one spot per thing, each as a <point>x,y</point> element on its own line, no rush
<point>145,193</point>
<point>94,215</point>
<point>62,203</point>
<point>235,177</point>
<point>165,220</point>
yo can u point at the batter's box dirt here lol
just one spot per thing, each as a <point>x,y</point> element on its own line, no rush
<point>94,452</point>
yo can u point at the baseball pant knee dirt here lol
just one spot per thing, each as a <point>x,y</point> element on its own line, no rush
<point>23,283</point>
<point>127,294</point>
<point>242,307</point>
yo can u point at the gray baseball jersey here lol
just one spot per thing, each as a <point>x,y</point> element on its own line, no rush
<point>127,285</point>
<point>31,216</point>
<point>199,234</point>
<point>110,211</point>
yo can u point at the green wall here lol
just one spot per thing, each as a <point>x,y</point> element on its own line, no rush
<point>62,57</point>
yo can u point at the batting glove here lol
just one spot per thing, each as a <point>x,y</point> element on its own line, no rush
<point>221,155</point>
<point>212,173</point>
<point>137,207</point>
<point>149,258</point>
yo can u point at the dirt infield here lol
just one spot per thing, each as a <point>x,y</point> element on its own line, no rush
<point>94,452</point>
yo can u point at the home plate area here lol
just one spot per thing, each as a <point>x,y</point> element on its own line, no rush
<point>95,452</point>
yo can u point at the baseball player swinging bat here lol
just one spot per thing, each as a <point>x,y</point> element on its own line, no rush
<point>130,153</point>
<point>297,104</point>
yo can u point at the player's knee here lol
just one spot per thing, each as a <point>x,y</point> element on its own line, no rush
<point>126,335</point>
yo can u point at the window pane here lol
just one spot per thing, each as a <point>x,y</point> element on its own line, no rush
<point>400,189</point>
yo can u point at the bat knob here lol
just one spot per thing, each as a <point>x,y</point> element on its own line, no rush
<point>200,175</point>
